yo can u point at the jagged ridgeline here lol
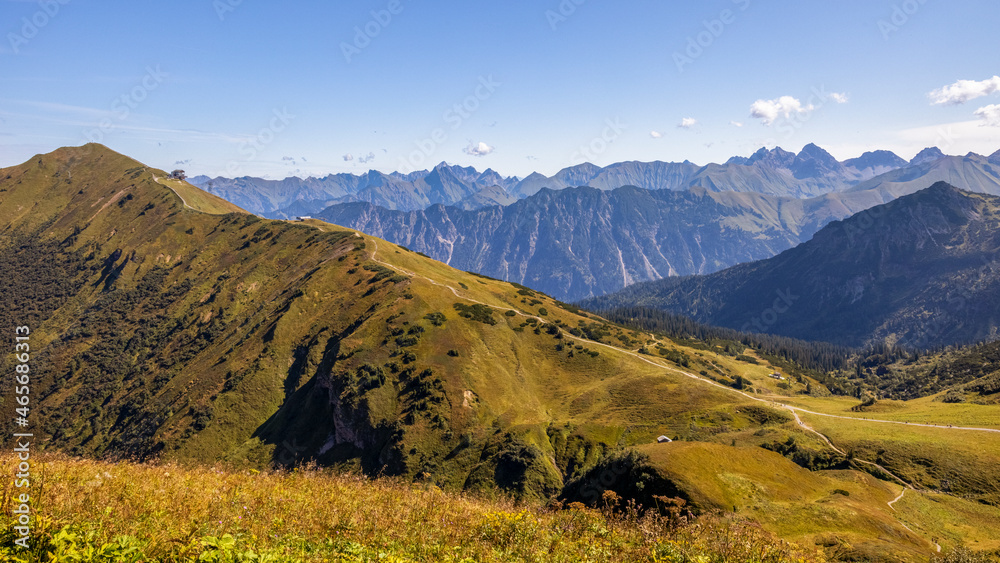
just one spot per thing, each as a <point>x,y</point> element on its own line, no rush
<point>169,323</point>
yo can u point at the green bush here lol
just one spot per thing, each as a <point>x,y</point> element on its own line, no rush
<point>476,312</point>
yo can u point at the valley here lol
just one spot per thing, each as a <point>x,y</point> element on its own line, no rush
<point>174,328</point>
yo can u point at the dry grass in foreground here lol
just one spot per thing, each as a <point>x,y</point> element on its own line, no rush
<point>98,511</point>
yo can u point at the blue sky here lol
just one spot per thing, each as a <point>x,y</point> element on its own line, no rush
<point>234,87</point>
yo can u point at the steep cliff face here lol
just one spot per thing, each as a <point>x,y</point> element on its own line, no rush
<point>580,242</point>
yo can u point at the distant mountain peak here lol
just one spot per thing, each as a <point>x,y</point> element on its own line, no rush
<point>929,154</point>
<point>775,158</point>
<point>940,187</point>
<point>813,162</point>
<point>880,159</point>
<point>814,149</point>
<point>994,158</point>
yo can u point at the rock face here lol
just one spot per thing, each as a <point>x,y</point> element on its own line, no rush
<point>580,242</point>
<point>879,275</point>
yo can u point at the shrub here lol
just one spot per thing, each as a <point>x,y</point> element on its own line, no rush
<point>436,319</point>
<point>476,312</point>
<point>405,341</point>
<point>954,396</point>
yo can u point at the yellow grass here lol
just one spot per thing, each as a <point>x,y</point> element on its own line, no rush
<point>199,200</point>
<point>176,513</point>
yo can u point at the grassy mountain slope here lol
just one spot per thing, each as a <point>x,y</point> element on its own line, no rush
<point>162,331</point>
<point>168,331</point>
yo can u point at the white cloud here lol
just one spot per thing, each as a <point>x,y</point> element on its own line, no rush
<point>990,115</point>
<point>367,158</point>
<point>838,97</point>
<point>655,134</point>
<point>964,90</point>
<point>481,149</point>
<point>768,110</point>
<point>687,123</point>
<point>348,157</point>
<point>736,123</point>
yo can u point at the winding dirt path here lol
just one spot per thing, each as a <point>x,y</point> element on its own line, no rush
<point>157,180</point>
<point>794,410</point>
<point>770,401</point>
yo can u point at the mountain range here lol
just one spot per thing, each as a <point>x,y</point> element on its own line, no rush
<point>581,242</point>
<point>169,324</point>
<point>633,222</point>
<point>576,243</point>
<point>921,271</point>
<point>811,172</point>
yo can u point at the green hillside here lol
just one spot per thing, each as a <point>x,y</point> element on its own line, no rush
<point>160,331</point>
